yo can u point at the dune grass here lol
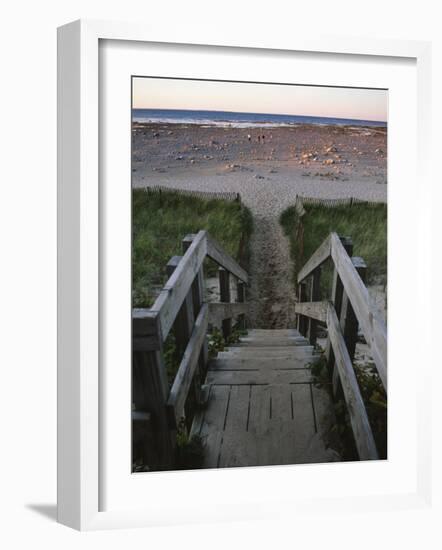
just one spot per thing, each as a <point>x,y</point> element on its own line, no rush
<point>365,223</point>
<point>159,223</point>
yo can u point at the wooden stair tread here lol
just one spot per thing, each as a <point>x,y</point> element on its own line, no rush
<point>263,408</point>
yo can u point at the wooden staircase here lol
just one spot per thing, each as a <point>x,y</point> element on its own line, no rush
<point>263,408</point>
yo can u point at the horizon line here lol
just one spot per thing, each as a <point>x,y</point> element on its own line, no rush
<point>255,113</point>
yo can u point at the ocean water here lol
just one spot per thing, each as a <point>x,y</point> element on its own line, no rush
<point>240,120</point>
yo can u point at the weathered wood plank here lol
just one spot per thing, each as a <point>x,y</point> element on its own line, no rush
<point>348,321</point>
<point>258,424</point>
<point>302,297</point>
<point>315,294</point>
<point>238,445</point>
<point>369,318</point>
<point>198,299</point>
<point>224,295</point>
<point>275,341</point>
<point>279,427</point>
<point>267,351</point>
<point>270,376</point>
<point>177,287</point>
<point>146,330</point>
<point>317,259</point>
<point>183,324</point>
<point>189,362</point>
<point>149,395</point>
<point>212,428</point>
<point>261,363</point>
<point>218,311</point>
<point>218,255</point>
<point>241,298</point>
<point>315,310</point>
<point>303,422</point>
<point>358,416</point>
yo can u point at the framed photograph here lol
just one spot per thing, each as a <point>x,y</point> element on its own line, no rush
<point>234,233</point>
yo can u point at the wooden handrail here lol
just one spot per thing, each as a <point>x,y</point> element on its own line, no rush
<point>314,310</point>
<point>218,311</point>
<point>218,255</point>
<point>321,255</point>
<point>188,365</point>
<point>372,325</point>
<point>173,294</point>
<point>355,405</point>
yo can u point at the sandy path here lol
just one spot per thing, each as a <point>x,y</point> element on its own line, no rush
<point>271,293</point>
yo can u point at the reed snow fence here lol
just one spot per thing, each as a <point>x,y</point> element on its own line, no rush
<point>302,201</point>
<point>205,195</point>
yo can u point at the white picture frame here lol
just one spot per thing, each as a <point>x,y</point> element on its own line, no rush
<point>79,203</point>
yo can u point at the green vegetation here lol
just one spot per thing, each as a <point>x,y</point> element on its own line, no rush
<point>365,223</point>
<point>375,400</point>
<point>189,450</point>
<point>161,220</point>
<point>217,342</point>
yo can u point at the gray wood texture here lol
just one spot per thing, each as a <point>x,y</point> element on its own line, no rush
<point>369,318</point>
<point>241,298</point>
<point>317,259</point>
<point>358,416</point>
<point>179,283</point>
<point>315,310</point>
<point>261,411</point>
<point>302,321</point>
<point>315,294</point>
<point>218,255</point>
<point>224,295</point>
<point>188,365</point>
<point>218,311</point>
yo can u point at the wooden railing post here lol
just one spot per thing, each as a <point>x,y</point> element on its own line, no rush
<point>185,319</point>
<point>315,296</point>
<point>302,297</point>
<point>241,298</point>
<point>336,298</point>
<point>149,396</point>
<point>348,321</point>
<point>224,291</point>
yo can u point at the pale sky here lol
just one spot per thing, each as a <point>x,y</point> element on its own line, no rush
<point>158,93</point>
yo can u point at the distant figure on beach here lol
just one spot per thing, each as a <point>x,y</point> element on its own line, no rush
<point>259,139</point>
<point>249,137</point>
<point>263,137</point>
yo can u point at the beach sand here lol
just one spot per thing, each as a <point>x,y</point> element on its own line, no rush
<point>309,160</point>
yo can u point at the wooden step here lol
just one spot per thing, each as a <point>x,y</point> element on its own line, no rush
<point>276,342</point>
<point>252,377</point>
<point>260,363</point>
<point>263,408</point>
<point>268,351</point>
<point>253,425</point>
<point>276,332</point>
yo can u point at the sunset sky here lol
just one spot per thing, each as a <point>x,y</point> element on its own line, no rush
<point>158,93</point>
